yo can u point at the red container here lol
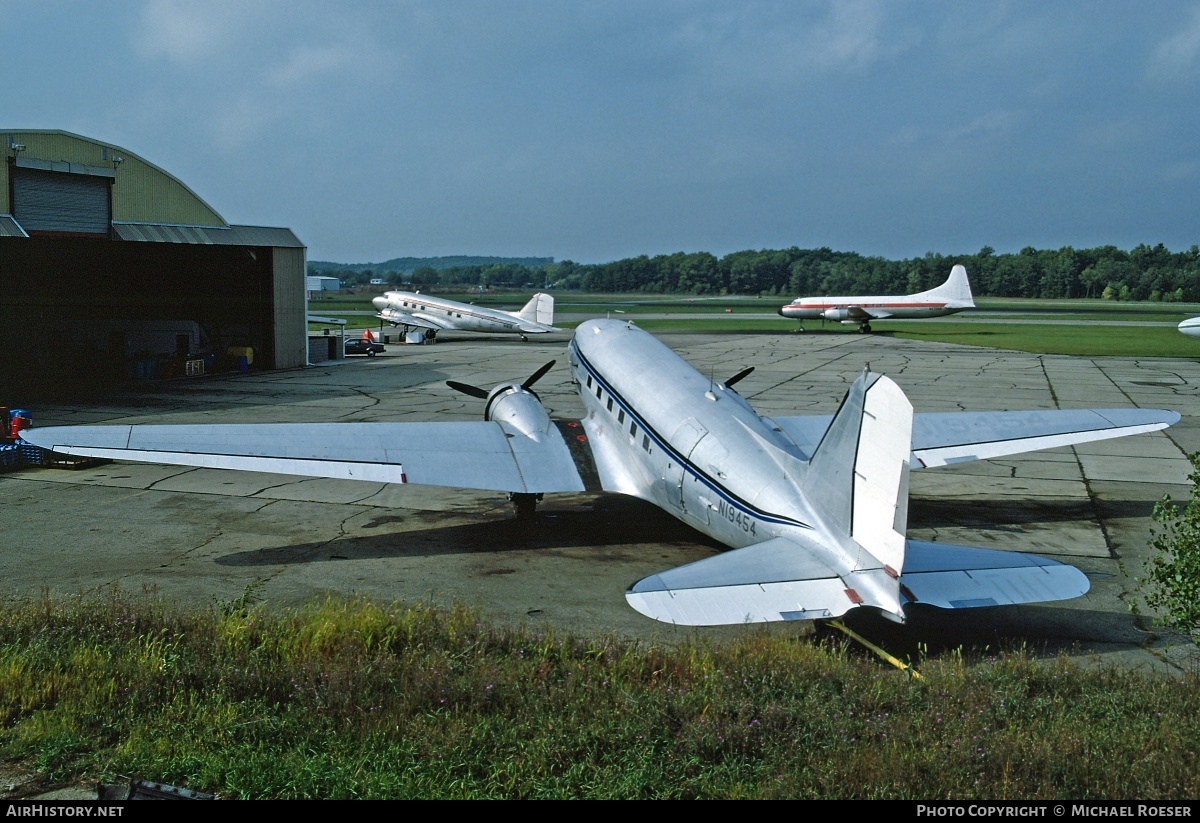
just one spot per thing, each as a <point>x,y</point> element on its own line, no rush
<point>20,420</point>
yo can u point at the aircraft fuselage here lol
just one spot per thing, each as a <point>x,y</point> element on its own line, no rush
<point>443,314</point>
<point>837,308</point>
<point>691,446</point>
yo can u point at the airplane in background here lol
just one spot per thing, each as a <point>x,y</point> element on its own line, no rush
<point>814,508</point>
<point>952,296</point>
<point>1190,327</point>
<point>413,310</point>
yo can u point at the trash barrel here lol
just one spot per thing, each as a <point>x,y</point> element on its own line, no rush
<point>19,419</point>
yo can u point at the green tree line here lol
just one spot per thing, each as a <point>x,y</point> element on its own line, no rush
<point>1144,273</point>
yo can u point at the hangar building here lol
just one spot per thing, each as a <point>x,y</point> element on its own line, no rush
<point>112,269</point>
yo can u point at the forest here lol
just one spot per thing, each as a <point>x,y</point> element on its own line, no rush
<point>1145,273</point>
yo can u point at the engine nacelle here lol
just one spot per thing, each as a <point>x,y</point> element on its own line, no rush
<point>390,316</point>
<point>841,315</point>
<point>519,408</point>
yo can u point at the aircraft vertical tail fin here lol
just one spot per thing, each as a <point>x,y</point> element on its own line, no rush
<point>540,309</point>
<point>858,474</point>
<point>956,289</point>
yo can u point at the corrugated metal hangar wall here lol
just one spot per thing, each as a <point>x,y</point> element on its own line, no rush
<point>113,270</point>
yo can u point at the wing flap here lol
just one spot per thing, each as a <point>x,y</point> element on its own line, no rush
<point>471,455</point>
<point>960,577</point>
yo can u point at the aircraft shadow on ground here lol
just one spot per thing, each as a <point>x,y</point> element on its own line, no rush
<point>610,521</point>
<point>614,523</point>
<point>1005,513</point>
<point>1041,631</point>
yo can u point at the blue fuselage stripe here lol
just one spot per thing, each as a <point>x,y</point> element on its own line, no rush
<point>683,461</point>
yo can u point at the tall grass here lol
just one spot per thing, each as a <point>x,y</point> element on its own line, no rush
<point>351,698</point>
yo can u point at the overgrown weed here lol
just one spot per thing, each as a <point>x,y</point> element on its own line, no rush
<point>351,698</point>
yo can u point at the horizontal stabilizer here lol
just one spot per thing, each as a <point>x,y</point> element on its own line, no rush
<point>775,580</point>
<point>963,577</point>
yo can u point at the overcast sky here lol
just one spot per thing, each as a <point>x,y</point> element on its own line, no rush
<point>594,131</point>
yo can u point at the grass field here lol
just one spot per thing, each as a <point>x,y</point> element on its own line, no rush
<point>1038,326</point>
<point>353,699</point>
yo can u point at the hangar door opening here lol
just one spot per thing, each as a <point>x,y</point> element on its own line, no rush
<point>53,203</point>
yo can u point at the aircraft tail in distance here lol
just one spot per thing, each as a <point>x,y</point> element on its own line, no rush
<point>956,291</point>
<point>540,309</point>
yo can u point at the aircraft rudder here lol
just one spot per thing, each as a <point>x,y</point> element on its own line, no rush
<point>858,474</point>
<point>539,309</point>
<point>956,288</point>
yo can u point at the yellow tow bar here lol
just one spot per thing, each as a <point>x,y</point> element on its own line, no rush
<point>837,624</point>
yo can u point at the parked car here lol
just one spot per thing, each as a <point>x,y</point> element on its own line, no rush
<point>360,345</point>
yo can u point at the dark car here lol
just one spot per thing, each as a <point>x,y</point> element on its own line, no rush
<point>360,345</point>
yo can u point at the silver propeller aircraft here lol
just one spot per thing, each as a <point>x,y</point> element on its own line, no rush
<point>952,296</point>
<point>413,310</point>
<point>814,508</point>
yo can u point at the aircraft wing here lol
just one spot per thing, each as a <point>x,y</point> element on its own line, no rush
<point>859,313</point>
<point>471,455</point>
<point>945,438</point>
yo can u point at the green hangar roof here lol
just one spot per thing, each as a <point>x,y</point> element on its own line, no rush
<point>56,183</point>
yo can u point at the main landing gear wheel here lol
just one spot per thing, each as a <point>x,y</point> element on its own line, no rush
<point>525,504</point>
<point>865,328</point>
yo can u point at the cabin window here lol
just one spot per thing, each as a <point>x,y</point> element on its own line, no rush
<point>610,404</point>
<point>589,381</point>
<point>597,392</point>
<point>633,428</point>
<point>646,443</point>
<point>620,415</point>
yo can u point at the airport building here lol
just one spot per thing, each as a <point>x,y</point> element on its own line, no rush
<point>112,269</point>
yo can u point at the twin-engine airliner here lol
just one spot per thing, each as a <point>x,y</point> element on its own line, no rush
<point>814,508</point>
<point>413,310</point>
<point>952,296</point>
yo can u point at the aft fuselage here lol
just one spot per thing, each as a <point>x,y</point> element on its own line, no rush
<point>423,311</point>
<point>690,445</point>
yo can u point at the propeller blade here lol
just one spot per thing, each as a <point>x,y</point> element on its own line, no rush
<point>738,376</point>
<point>474,391</point>
<point>538,375</point>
